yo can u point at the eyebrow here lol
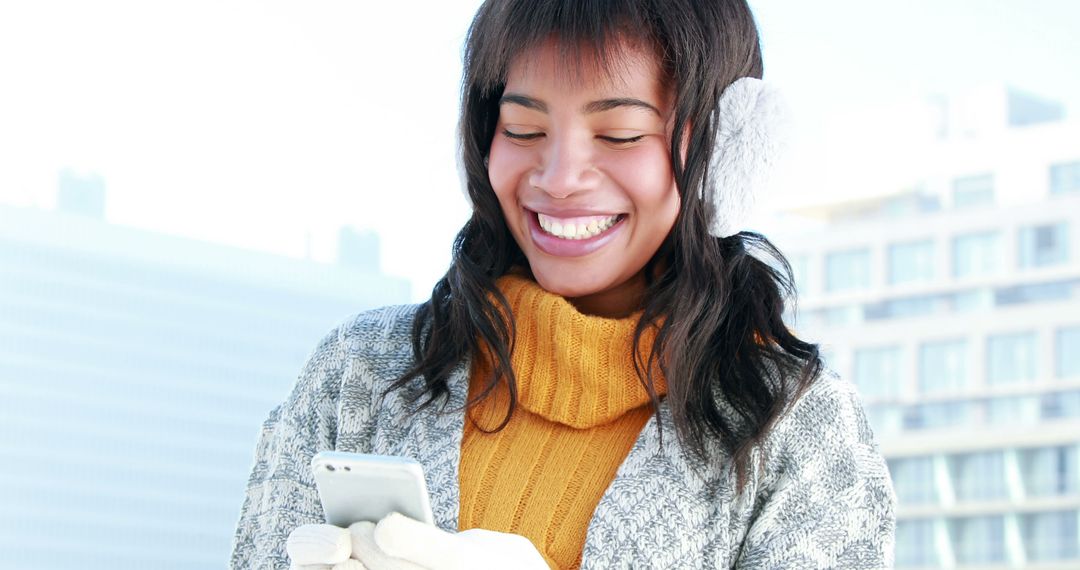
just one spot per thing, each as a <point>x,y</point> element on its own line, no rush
<point>589,108</point>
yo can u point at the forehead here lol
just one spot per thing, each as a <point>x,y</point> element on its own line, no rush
<point>622,68</point>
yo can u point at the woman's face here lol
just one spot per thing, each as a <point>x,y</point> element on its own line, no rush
<point>581,168</point>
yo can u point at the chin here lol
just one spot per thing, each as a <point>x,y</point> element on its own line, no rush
<point>572,283</point>
<point>568,282</point>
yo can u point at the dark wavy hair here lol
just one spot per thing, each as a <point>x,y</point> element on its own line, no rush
<point>718,305</point>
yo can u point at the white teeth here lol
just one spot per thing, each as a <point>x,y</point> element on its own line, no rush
<point>576,229</point>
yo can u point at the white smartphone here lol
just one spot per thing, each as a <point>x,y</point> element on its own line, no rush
<point>357,487</point>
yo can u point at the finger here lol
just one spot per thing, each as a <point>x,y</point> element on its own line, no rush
<point>365,550</point>
<point>420,543</point>
<point>318,544</point>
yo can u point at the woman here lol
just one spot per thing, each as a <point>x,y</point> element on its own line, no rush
<point>604,370</point>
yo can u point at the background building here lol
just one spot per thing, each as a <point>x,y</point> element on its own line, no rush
<point>135,371</point>
<point>954,306</point>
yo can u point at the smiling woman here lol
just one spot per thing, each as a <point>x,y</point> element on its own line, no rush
<point>601,297</point>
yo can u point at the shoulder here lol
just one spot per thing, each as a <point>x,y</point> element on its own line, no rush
<point>390,324</point>
<point>826,427</point>
<point>824,481</point>
<point>830,405</point>
<point>370,330</point>
<point>360,340</point>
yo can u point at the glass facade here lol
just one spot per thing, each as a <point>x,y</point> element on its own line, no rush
<point>1067,352</point>
<point>1010,358</point>
<point>1065,177</point>
<point>879,371</point>
<point>1060,405</point>
<point>979,476</point>
<point>943,366</point>
<point>847,270</point>
<point>915,543</point>
<point>911,262</point>
<point>978,539</point>
<point>1050,471</point>
<point>1050,536</point>
<point>1043,245</point>
<point>976,254</point>
<point>937,415</point>
<point>1014,410</point>
<point>973,191</point>
<point>913,480</point>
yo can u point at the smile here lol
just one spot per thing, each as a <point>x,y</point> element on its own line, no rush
<point>576,228</point>
<point>573,236</point>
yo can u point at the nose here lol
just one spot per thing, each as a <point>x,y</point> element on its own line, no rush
<point>567,167</point>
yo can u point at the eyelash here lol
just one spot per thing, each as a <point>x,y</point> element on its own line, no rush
<point>534,136</point>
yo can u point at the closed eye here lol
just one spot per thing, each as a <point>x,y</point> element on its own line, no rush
<point>620,141</point>
<point>521,136</point>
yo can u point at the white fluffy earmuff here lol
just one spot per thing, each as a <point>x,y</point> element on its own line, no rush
<point>750,140</point>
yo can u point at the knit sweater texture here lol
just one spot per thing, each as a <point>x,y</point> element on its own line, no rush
<point>580,407</point>
<point>823,498</point>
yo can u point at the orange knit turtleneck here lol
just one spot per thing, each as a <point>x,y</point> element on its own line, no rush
<point>580,408</point>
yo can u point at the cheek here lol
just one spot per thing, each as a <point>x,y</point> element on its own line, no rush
<point>507,163</point>
<point>646,177</point>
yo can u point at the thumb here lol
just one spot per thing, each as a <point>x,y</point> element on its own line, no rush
<point>318,544</point>
<point>367,552</point>
<point>420,543</point>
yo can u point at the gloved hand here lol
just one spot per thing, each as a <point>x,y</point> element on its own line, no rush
<point>401,543</point>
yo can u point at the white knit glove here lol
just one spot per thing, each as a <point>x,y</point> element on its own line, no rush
<point>402,543</point>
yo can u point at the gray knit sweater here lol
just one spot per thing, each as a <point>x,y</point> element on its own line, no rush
<point>823,500</point>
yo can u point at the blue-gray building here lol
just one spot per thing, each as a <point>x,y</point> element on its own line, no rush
<point>135,371</point>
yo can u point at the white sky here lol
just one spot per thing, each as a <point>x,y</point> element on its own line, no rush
<point>270,124</point>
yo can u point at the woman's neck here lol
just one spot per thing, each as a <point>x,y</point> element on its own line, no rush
<point>615,303</point>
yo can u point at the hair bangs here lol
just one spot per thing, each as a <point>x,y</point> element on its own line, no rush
<point>585,32</point>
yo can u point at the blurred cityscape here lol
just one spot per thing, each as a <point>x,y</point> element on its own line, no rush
<point>954,306</point>
<point>135,371</point>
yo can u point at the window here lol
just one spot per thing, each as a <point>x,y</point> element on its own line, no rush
<point>885,419</point>
<point>879,371</point>
<point>911,262</point>
<point>800,269</point>
<point>1014,410</point>
<point>1058,405</point>
<point>943,366</point>
<point>973,300</point>
<point>1050,536</point>
<point>1067,351</point>
<point>842,316</point>
<point>913,479</point>
<point>915,543</point>
<point>1065,177</point>
<point>847,270</point>
<point>938,415</point>
<point>1050,471</point>
<point>1010,358</point>
<point>904,307</point>
<point>1036,292</point>
<point>1044,245</point>
<point>978,539</point>
<point>976,255</point>
<point>973,191</point>
<point>979,476</point>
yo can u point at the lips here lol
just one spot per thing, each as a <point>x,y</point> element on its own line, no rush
<point>581,235</point>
